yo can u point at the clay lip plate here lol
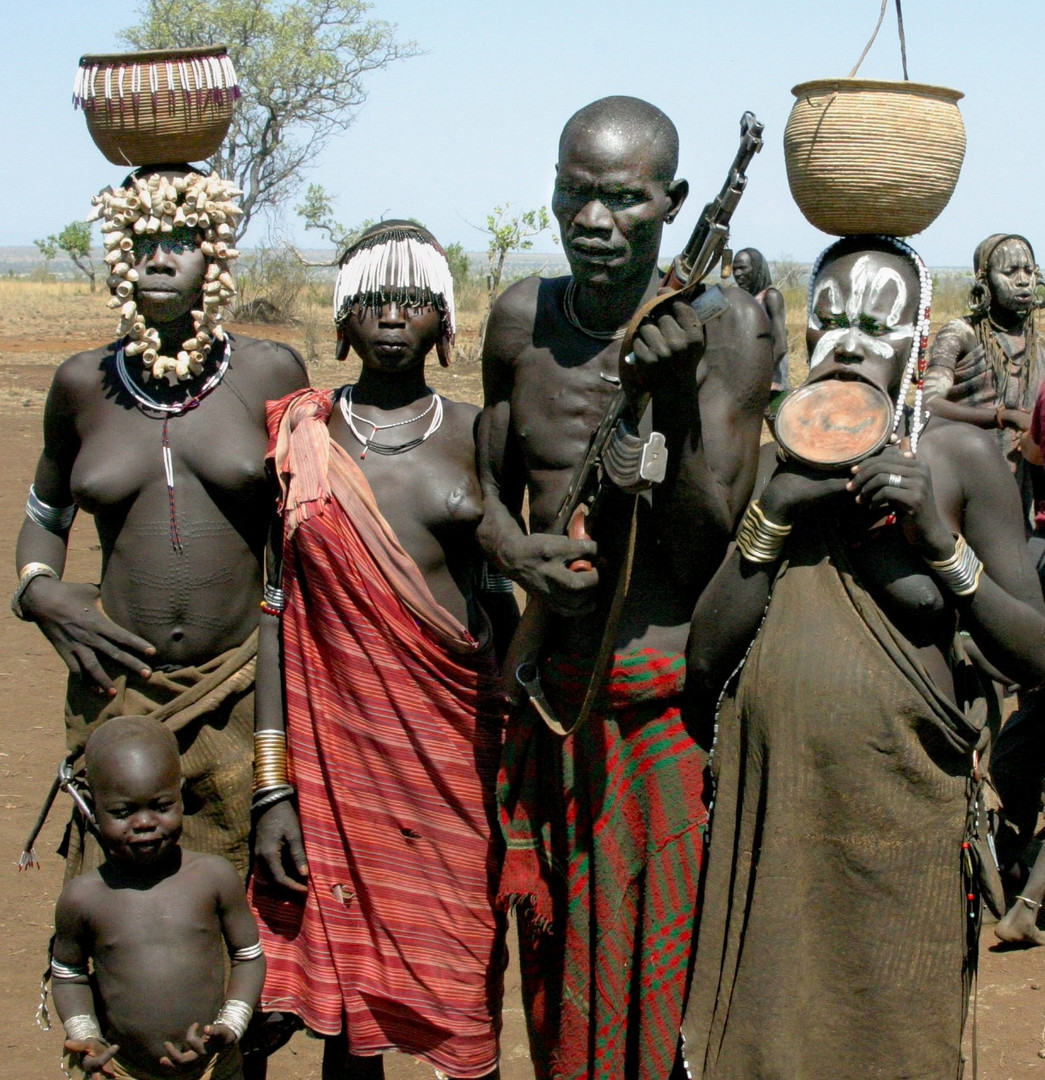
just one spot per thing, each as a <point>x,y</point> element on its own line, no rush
<point>833,422</point>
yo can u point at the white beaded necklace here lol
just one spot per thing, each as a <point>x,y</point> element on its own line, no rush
<point>435,407</point>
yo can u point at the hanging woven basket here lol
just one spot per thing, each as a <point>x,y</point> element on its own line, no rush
<point>870,156</point>
<point>166,105</point>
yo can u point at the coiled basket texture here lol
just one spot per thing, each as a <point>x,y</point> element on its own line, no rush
<point>870,156</point>
<point>165,105</point>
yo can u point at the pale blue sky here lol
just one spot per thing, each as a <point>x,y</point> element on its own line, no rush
<point>475,121</point>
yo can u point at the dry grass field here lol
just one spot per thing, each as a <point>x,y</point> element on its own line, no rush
<point>40,324</point>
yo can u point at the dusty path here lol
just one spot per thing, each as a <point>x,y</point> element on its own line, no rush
<point>1011,1009</point>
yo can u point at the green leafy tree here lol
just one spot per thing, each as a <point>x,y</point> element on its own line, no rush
<point>317,212</point>
<point>460,268</point>
<point>508,232</point>
<point>302,67</point>
<point>48,249</point>
<point>75,241</point>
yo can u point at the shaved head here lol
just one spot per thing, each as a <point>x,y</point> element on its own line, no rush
<point>114,744</point>
<point>627,120</point>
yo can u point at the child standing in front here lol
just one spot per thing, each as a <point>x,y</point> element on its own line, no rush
<point>151,921</point>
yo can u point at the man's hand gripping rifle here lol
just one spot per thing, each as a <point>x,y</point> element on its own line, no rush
<point>617,454</point>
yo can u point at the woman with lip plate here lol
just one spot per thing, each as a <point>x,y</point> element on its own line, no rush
<point>380,929</point>
<point>987,367</point>
<point>841,906</point>
<point>160,436</point>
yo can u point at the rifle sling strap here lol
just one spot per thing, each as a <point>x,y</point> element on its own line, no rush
<point>609,633</point>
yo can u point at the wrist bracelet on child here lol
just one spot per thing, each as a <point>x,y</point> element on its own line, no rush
<point>961,571</point>
<point>82,1028</point>
<point>270,759</point>
<point>28,574</point>
<point>760,540</point>
<point>236,1015</point>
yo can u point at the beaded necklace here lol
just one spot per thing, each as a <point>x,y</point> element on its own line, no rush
<point>148,404</point>
<point>571,318</point>
<point>435,407</point>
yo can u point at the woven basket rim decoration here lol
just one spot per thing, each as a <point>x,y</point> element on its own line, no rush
<point>873,155</point>
<point>158,104</point>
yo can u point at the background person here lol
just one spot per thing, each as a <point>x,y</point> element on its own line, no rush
<point>987,367</point>
<point>751,272</point>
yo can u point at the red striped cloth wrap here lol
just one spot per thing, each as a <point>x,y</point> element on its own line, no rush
<point>393,735</point>
<point>604,833</point>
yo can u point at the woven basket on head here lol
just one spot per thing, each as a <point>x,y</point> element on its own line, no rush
<point>166,105</point>
<point>867,156</point>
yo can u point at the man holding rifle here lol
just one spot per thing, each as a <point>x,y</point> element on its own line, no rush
<point>601,791</point>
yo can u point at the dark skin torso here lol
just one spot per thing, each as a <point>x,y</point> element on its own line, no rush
<point>429,495</point>
<point>157,947</point>
<point>104,453</point>
<point>546,392</point>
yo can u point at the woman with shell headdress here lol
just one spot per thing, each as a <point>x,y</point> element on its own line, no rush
<point>160,435</point>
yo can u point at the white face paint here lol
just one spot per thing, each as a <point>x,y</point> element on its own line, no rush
<point>862,309</point>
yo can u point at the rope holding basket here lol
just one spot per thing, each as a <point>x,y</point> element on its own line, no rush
<point>156,106</point>
<point>871,155</point>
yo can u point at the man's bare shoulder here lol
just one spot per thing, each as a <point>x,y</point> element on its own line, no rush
<point>513,317</point>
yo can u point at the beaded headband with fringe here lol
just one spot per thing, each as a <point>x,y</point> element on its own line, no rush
<point>156,205</point>
<point>914,370</point>
<point>398,262</point>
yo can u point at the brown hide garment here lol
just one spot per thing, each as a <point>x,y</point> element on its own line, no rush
<point>210,709</point>
<point>835,931</point>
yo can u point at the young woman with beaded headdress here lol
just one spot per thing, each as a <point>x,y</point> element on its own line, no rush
<point>160,435</point>
<point>374,785</point>
<point>848,739</point>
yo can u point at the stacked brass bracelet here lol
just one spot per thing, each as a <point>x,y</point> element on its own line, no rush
<point>270,769</point>
<point>759,539</point>
<point>961,571</point>
<point>273,601</point>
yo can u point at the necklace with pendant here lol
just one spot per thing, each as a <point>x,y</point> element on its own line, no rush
<point>435,407</point>
<point>148,404</point>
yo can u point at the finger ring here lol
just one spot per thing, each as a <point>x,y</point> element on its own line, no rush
<point>895,480</point>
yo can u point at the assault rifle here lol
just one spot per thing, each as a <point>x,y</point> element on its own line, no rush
<point>617,455</point>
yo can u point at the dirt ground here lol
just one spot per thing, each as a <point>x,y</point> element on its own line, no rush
<point>1011,1000</point>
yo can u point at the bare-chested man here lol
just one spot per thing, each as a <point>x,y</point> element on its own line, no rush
<point>167,451</point>
<point>604,828</point>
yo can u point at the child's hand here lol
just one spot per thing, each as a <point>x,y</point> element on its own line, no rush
<point>201,1043</point>
<point>96,1055</point>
